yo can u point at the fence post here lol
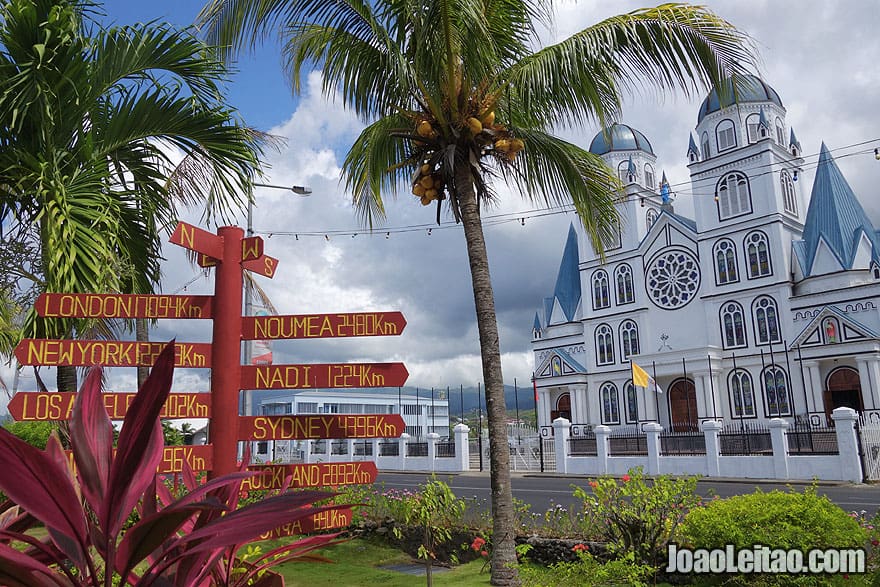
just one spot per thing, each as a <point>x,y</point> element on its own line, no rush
<point>847,444</point>
<point>778,426</point>
<point>328,449</point>
<point>307,456</point>
<point>350,448</point>
<point>432,438</point>
<point>602,433</point>
<point>652,431</point>
<point>401,451</point>
<point>711,429</point>
<point>462,447</point>
<point>374,447</point>
<point>561,432</point>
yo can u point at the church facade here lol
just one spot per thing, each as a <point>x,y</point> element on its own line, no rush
<point>763,304</point>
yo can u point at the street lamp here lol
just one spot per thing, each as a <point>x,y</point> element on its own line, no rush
<point>248,303</point>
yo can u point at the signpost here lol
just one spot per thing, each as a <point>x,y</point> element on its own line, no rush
<point>323,375</point>
<point>326,520</point>
<point>318,426</point>
<point>230,254</point>
<point>310,475</point>
<point>29,407</point>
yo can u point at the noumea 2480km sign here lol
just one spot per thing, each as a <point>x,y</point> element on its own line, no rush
<point>229,253</point>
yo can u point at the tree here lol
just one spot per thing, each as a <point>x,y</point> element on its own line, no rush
<point>90,120</point>
<point>456,96</point>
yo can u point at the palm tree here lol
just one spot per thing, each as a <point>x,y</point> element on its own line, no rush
<point>456,96</point>
<point>90,120</point>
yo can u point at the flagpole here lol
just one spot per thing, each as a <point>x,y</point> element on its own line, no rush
<point>712,386</point>
<point>804,383</point>
<point>656,394</point>
<point>687,402</point>
<point>742,398</point>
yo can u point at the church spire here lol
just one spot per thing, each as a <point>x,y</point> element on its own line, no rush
<point>568,283</point>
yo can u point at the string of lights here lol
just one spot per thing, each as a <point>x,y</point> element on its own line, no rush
<point>535,213</point>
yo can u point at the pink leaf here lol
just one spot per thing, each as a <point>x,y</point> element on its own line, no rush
<point>91,437</point>
<point>40,486</point>
<point>19,570</point>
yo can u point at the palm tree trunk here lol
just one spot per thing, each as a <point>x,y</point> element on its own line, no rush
<point>142,334</point>
<point>65,378</point>
<point>503,562</point>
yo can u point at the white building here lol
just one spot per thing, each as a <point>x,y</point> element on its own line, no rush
<point>421,414</point>
<point>764,304</point>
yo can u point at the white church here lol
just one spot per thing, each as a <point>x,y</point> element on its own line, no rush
<point>763,305</point>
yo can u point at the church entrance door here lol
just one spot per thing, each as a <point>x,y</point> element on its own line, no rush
<point>843,390</point>
<point>683,406</point>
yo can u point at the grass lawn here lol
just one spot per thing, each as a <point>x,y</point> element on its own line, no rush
<point>357,563</point>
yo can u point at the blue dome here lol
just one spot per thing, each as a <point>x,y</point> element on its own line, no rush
<point>753,89</point>
<point>622,138</point>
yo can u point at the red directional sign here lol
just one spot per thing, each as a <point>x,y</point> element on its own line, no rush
<point>198,240</point>
<point>326,520</point>
<point>323,375</point>
<point>320,426</point>
<point>59,406</point>
<point>310,475</point>
<point>200,458</point>
<point>57,305</point>
<point>109,353</point>
<point>322,325</point>
<point>264,265</point>
<point>251,248</point>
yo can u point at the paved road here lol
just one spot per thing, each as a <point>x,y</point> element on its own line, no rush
<point>545,491</point>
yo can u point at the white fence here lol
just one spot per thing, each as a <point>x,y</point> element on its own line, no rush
<point>772,453</point>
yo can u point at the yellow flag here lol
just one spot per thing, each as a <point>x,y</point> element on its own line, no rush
<point>640,376</point>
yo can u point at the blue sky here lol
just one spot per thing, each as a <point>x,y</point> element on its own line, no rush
<point>819,56</point>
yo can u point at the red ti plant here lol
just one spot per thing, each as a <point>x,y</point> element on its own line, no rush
<point>190,542</point>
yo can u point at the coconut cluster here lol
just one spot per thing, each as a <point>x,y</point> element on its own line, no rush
<point>428,183</point>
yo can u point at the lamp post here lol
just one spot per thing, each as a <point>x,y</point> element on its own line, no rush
<point>248,296</point>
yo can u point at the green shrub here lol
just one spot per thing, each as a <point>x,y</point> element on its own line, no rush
<point>636,516</point>
<point>778,519</point>
<point>587,572</point>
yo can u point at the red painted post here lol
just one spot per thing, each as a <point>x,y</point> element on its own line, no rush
<point>226,369</point>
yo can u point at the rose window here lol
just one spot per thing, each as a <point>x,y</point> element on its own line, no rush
<point>673,279</point>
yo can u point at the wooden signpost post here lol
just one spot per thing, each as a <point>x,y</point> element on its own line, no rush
<point>229,253</point>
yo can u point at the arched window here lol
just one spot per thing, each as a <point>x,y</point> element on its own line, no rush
<point>742,394</point>
<point>601,298</point>
<point>766,320</point>
<point>629,339</point>
<point>622,172</point>
<point>604,345</point>
<point>733,196</point>
<point>789,200</point>
<point>624,284</point>
<point>610,405</point>
<point>757,255</point>
<point>780,132</point>
<point>632,402</point>
<point>733,327</point>
<point>556,366</point>
<point>649,177</point>
<point>776,392</point>
<point>651,217</point>
<point>725,262</point>
<point>752,121</point>
<point>704,140</point>
<point>725,133</point>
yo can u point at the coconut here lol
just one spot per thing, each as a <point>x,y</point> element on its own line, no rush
<point>425,200</point>
<point>488,119</point>
<point>424,129</point>
<point>475,125</point>
<point>431,194</point>
<point>425,169</point>
<point>517,145</point>
<point>426,182</point>
<point>502,145</point>
<point>418,190</point>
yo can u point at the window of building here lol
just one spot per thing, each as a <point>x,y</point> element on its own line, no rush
<point>742,394</point>
<point>601,297</point>
<point>649,177</point>
<point>623,172</point>
<point>624,284</point>
<point>632,402</point>
<point>277,409</point>
<point>733,328</point>
<point>776,392</point>
<point>412,409</point>
<point>704,140</point>
<point>307,408</point>
<point>725,132</point>
<point>604,345</point>
<point>752,121</point>
<point>789,199</point>
<point>629,339</point>
<point>725,262</point>
<point>610,405</point>
<point>780,132</point>
<point>733,196</point>
<point>651,217</point>
<point>757,255</point>
<point>766,320</point>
